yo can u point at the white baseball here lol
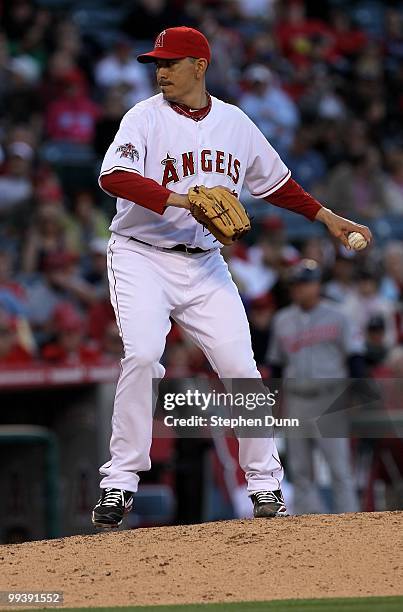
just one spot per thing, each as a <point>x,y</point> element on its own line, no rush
<point>357,241</point>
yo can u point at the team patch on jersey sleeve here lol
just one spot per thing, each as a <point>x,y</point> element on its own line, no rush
<point>129,151</point>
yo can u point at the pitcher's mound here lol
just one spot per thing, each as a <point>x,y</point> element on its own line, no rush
<point>297,557</point>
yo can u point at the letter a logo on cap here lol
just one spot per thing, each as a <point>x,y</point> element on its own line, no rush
<point>159,41</point>
<point>178,43</point>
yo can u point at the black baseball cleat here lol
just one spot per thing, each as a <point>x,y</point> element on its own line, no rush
<point>268,504</point>
<point>111,508</point>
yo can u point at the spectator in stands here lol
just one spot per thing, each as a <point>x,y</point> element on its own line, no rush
<point>262,268</point>
<point>319,249</point>
<point>21,100</point>
<point>358,187</point>
<point>72,117</point>
<point>86,224</point>
<point>257,9</point>
<point>394,182</point>
<point>59,282</point>
<point>4,71</point>
<point>67,39</point>
<point>12,354</point>
<point>349,39</point>
<point>302,39</point>
<point>368,69</point>
<point>12,293</point>
<point>262,49</point>
<point>22,132</point>
<point>183,358</point>
<point>16,182</point>
<point>108,123</point>
<point>269,107</point>
<point>355,138</point>
<point>59,64</point>
<point>392,282</point>
<point>33,41</point>
<point>367,301</point>
<point>100,315</point>
<point>341,285</point>
<point>148,18</point>
<point>120,68</point>
<point>18,18</point>
<point>376,350</point>
<point>47,188</point>
<point>227,51</point>
<point>198,364</point>
<point>64,275</point>
<point>393,44</point>
<point>69,347</point>
<point>96,270</point>
<point>367,96</point>
<point>6,275</point>
<point>251,278</point>
<point>176,360</point>
<point>306,164</point>
<point>13,301</point>
<point>254,271</point>
<point>47,235</point>
<point>329,104</point>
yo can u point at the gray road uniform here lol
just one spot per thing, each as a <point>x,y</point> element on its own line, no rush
<point>312,348</point>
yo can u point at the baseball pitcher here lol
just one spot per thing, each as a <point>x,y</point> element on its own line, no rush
<point>177,164</point>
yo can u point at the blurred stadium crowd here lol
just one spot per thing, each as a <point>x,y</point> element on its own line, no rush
<point>323,81</point>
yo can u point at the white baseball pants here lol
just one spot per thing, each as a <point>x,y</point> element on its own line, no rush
<point>147,286</point>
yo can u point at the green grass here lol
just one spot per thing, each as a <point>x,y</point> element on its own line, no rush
<point>356,604</point>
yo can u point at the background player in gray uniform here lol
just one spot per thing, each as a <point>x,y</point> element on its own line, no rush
<point>314,346</point>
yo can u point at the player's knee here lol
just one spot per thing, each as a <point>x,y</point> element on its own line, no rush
<point>144,356</point>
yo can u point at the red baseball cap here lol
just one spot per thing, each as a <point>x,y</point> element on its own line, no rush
<point>177,43</point>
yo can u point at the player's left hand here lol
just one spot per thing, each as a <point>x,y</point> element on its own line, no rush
<point>341,227</point>
<point>220,212</point>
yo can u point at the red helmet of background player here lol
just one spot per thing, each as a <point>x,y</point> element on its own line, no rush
<point>177,43</point>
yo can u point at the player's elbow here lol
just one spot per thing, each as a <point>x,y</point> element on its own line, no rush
<point>106,183</point>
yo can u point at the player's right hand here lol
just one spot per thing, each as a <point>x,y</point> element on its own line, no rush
<point>341,227</point>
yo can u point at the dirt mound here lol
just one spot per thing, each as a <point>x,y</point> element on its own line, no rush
<point>261,559</point>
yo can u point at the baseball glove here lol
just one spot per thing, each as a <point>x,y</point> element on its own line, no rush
<point>219,211</point>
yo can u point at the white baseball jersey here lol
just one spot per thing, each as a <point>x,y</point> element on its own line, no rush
<point>225,148</point>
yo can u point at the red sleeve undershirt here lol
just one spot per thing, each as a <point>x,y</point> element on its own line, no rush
<point>148,193</point>
<point>136,188</point>
<point>292,197</point>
